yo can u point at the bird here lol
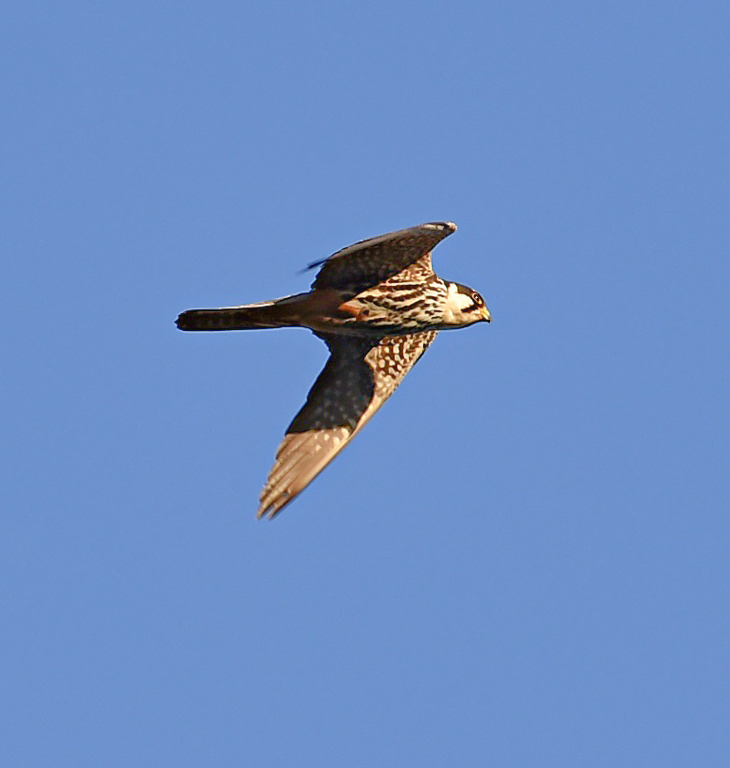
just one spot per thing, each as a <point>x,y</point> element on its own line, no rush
<point>377,305</point>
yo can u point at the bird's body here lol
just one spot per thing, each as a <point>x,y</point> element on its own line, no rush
<point>377,305</point>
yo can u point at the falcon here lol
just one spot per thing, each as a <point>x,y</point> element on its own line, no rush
<point>377,305</point>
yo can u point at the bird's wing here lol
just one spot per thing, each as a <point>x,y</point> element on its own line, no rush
<point>369,262</point>
<point>360,375</point>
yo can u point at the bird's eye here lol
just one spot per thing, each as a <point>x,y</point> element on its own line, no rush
<point>478,300</point>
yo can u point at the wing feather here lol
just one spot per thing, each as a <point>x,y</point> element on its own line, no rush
<point>369,262</point>
<point>360,375</point>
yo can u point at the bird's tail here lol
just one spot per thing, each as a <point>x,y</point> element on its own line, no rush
<point>269,314</point>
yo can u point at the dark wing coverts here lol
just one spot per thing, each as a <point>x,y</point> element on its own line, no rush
<point>360,375</point>
<point>369,262</point>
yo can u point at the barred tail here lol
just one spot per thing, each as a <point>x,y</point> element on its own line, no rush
<point>270,314</point>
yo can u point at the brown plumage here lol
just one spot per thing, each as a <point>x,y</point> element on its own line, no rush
<point>377,305</point>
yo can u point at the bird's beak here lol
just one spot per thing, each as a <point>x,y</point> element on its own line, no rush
<point>485,315</point>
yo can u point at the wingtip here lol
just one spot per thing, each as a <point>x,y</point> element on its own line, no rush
<point>447,225</point>
<point>270,508</point>
<point>265,509</point>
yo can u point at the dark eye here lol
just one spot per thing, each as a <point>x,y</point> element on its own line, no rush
<point>478,300</point>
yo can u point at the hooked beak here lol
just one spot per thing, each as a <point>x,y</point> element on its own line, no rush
<point>486,316</point>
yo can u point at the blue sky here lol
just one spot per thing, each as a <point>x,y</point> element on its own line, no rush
<point>523,559</point>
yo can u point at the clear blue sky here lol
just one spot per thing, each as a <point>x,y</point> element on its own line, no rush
<point>523,559</point>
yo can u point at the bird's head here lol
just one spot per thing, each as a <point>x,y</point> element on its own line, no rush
<point>464,306</point>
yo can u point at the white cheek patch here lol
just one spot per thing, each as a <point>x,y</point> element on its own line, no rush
<point>456,304</point>
<point>463,301</point>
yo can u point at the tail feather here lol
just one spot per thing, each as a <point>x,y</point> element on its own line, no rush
<point>269,314</point>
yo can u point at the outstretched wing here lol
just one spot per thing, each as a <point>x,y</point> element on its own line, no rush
<point>369,262</point>
<point>360,375</point>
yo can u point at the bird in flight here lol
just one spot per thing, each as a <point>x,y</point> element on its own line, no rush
<point>377,305</point>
